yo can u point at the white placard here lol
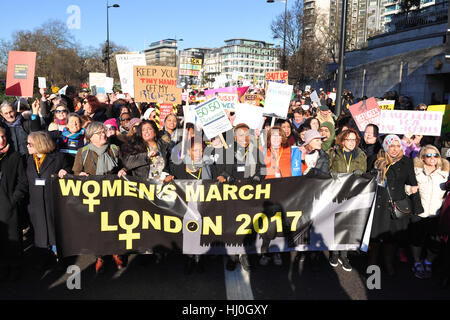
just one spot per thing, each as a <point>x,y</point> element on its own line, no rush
<point>228,99</point>
<point>277,100</point>
<point>332,96</point>
<point>212,117</point>
<point>189,114</point>
<point>249,114</point>
<point>427,123</point>
<point>42,83</point>
<point>315,98</point>
<point>307,88</point>
<point>109,83</point>
<point>97,79</point>
<point>125,64</point>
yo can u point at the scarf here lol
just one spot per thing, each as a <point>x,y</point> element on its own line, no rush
<point>327,144</point>
<point>61,122</point>
<point>4,151</point>
<point>73,136</point>
<point>16,123</point>
<point>104,163</point>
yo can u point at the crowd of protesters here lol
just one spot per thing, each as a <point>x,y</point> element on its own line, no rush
<point>81,134</point>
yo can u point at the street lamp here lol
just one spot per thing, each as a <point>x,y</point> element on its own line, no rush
<point>341,69</point>
<point>107,34</point>
<point>283,61</point>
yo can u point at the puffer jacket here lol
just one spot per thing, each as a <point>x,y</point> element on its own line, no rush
<point>431,186</point>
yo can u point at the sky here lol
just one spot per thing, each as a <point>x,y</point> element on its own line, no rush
<point>137,23</point>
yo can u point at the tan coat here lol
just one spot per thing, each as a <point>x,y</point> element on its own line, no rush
<point>90,164</point>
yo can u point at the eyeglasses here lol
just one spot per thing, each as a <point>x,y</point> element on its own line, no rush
<point>126,119</point>
<point>61,111</point>
<point>434,155</point>
<point>351,140</point>
<point>110,128</point>
<point>101,132</point>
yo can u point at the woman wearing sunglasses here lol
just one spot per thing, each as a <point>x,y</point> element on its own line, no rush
<point>59,118</point>
<point>431,174</point>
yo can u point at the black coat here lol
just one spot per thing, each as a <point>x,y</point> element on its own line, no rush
<point>41,198</point>
<point>13,188</point>
<point>322,166</point>
<point>399,174</point>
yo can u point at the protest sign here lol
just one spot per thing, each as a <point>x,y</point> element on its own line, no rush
<point>42,83</point>
<point>211,93</point>
<point>109,84</point>
<point>20,73</point>
<point>307,88</point>
<point>386,104</point>
<point>98,80</point>
<point>63,90</point>
<point>156,83</point>
<point>242,90</point>
<point>251,98</point>
<point>277,100</point>
<point>164,110</point>
<point>250,115</point>
<point>411,122</point>
<point>332,96</point>
<point>315,98</point>
<point>125,64</point>
<point>189,114</point>
<point>365,112</point>
<point>228,100</point>
<point>445,109</point>
<point>109,215</point>
<point>213,118</point>
<point>277,76</point>
<point>189,67</point>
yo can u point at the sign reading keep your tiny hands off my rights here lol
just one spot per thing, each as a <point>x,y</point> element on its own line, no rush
<point>156,84</point>
<point>114,216</point>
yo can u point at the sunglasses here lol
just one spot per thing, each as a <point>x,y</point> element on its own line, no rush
<point>434,155</point>
<point>125,119</point>
<point>61,111</point>
<point>110,128</point>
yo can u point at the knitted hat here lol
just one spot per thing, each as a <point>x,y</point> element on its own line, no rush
<point>311,135</point>
<point>147,113</point>
<point>389,140</point>
<point>111,122</point>
<point>134,122</point>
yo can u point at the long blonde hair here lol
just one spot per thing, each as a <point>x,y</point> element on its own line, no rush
<point>384,160</point>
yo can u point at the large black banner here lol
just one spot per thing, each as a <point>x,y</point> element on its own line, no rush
<point>105,215</point>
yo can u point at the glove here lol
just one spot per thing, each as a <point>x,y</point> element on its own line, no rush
<point>358,172</point>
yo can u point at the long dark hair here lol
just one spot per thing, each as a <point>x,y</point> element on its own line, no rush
<point>136,143</point>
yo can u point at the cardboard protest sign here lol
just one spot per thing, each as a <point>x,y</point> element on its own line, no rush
<point>277,100</point>
<point>228,100</point>
<point>20,73</point>
<point>250,115</point>
<point>445,109</point>
<point>42,83</point>
<point>125,64</point>
<point>156,83</point>
<point>251,98</point>
<point>277,76</point>
<point>209,94</point>
<point>365,112</point>
<point>213,118</point>
<point>98,80</point>
<point>411,122</point>
<point>164,110</point>
<point>386,104</point>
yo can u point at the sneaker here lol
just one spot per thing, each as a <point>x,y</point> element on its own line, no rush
<point>419,270</point>
<point>277,259</point>
<point>118,260</point>
<point>264,260</point>
<point>345,264</point>
<point>243,259</point>
<point>333,260</point>
<point>99,266</point>
<point>231,264</point>
<point>428,270</point>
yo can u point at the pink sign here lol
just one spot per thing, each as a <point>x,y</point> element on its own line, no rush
<point>211,93</point>
<point>365,112</point>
